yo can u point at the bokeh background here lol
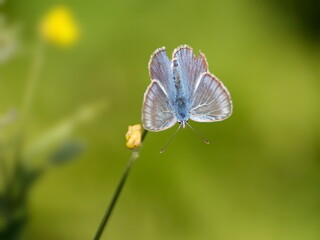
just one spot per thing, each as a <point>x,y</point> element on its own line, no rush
<point>258,179</point>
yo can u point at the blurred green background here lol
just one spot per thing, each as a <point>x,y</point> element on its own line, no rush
<point>258,179</point>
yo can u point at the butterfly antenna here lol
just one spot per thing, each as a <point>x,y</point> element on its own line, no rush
<point>203,139</point>
<point>165,147</point>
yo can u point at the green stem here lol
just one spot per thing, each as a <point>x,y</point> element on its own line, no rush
<point>4,173</point>
<point>104,221</point>
<point>32,80</point>
<point>31,83</point>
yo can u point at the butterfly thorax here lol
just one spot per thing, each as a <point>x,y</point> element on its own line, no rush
<point>182,99</point>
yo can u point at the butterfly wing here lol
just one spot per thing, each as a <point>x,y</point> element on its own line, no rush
<point>211,101</point>
<point>191,67</point>
<point>160,69</point>
<point>157,111</point>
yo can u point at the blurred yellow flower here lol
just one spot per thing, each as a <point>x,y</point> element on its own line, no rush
<point>59,27</point>
<point>133,136</point>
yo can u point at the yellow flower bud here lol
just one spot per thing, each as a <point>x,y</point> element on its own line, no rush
<point>59,27</point>
<point>133,136</point>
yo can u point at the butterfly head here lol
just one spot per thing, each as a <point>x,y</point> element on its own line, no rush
<point>183,123</point>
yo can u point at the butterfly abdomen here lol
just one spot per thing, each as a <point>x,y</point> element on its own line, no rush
<point>181,100</point>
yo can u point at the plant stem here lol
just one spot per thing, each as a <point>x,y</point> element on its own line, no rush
<point>104,221</point>
<point>3,173</point>
<point>32,80</point>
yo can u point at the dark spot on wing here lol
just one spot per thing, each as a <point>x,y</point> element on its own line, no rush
<point>175,63</point>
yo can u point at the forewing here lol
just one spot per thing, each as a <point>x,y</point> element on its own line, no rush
<point>157,112</point>
<point>160,69</point>
<point>192,67</point>
<point>212,100</point>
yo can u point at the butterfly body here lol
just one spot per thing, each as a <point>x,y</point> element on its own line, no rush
<point>182,95</point>
<point>182,89</point>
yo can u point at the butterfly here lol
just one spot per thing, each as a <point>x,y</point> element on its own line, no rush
<point>182,89</point>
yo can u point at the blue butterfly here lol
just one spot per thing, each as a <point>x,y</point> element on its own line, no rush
<point>182,89</point>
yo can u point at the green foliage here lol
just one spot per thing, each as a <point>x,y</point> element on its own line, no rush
<point>17,183</point>
<point>257,179</point>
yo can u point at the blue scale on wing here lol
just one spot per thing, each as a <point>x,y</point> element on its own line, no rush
<point>158,113</point>
<point>160,69</point>
<point>191,67</point>
<point>212,100</point>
